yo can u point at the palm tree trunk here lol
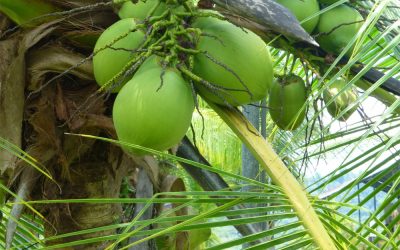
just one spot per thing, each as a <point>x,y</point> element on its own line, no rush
<point>40,113</point>
<point>89,179</point>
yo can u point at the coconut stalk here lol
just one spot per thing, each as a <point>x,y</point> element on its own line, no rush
<point>278,172</point>
<point>380,94</point>
<point>391,85</point>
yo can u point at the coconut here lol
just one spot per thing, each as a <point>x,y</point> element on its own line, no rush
<point>337,27</point>
<point>287,96</point>
<point>341,101</point>
<point>151,112</point>
<point>114,49</point>
<point>303,9</point>
<point>233,59</point>
<point>141,10</point>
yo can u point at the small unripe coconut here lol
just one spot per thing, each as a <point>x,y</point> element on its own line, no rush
<point>342,101</point>
<point>287,96</point>
<point>303,9</point>
<point>337,27</point>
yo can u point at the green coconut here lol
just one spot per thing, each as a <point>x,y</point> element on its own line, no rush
<point>337,27</point>
<point>110,61</point>
<point>141,10</point>
<point>346,98</point>
<point>150,63</point>
<point>203,21</point>
<point>303,9</point>
<point>151,113</point>
<point>232,59</point>
<point>287,96</point>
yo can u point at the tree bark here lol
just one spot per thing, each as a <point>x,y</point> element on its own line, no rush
<point>90,178</point>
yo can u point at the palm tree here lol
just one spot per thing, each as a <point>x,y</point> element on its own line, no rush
<point>74,181</point>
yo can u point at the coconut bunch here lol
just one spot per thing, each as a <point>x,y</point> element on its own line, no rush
<point>334,29</point>
<point>164,47</point>
<point>160,54</point>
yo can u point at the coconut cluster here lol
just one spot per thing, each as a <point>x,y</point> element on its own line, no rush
<point>159,55</point>
<point>162,53</point>
<point>334,30</point>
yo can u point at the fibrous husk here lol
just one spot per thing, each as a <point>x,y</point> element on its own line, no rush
<point>56,59</point>
<point>4,23</point>
<point>12,101</point>
<point>12,79</point>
